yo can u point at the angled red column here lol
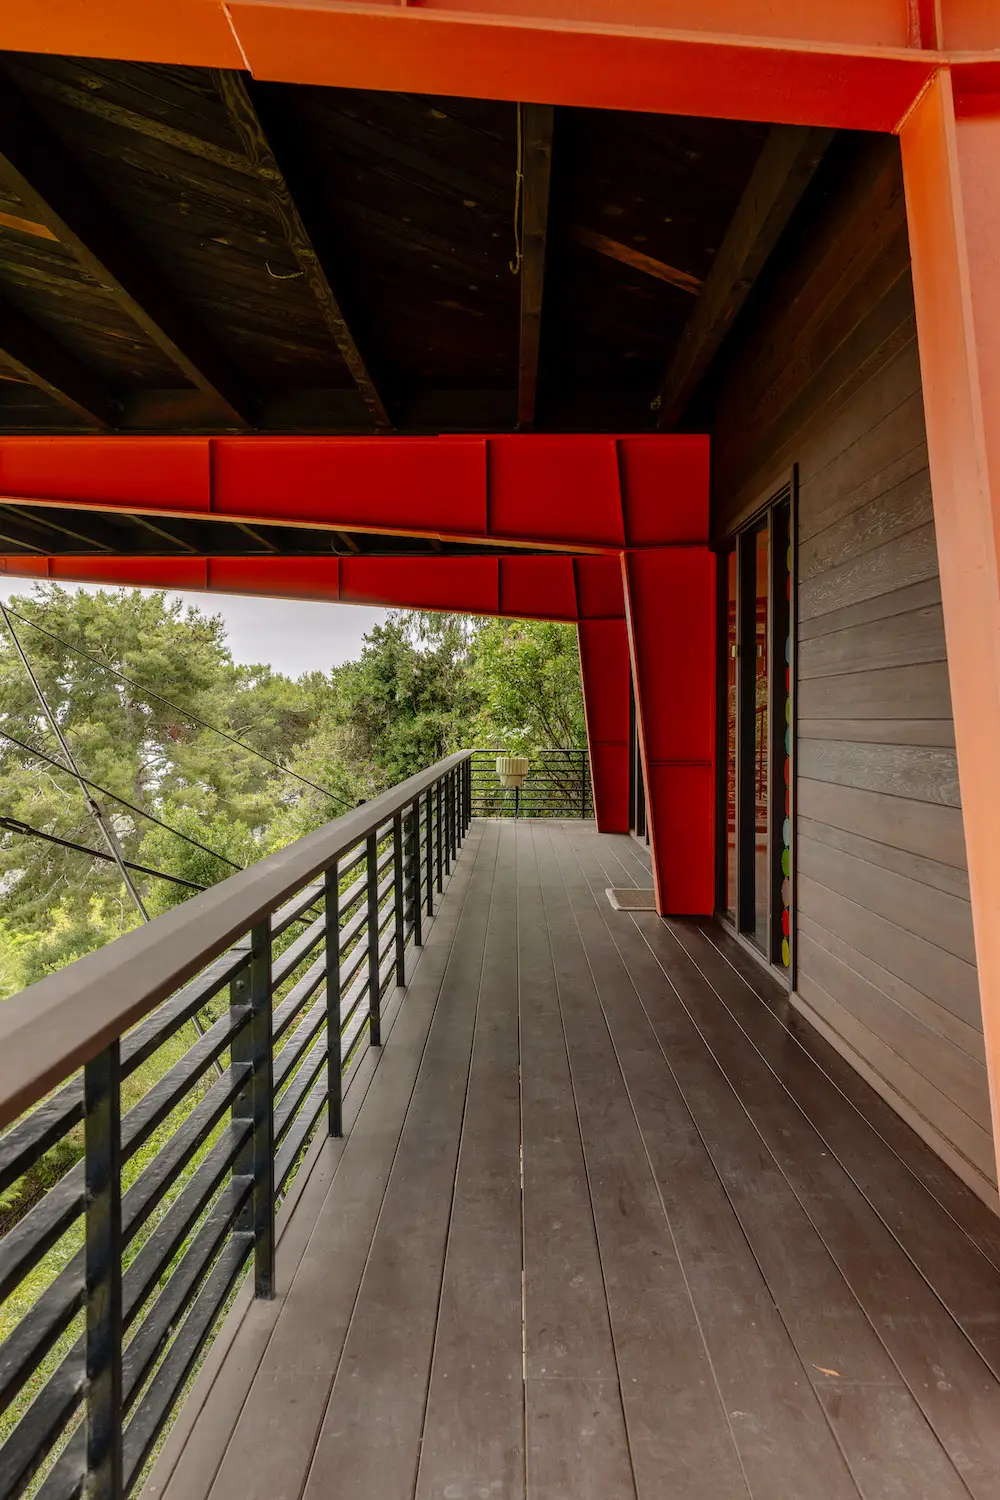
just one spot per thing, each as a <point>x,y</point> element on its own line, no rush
<point>951,171</point>
<point>604,668</point>
<point>670,612</point>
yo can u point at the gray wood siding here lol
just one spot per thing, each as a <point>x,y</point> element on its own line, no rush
<point>886,961</point>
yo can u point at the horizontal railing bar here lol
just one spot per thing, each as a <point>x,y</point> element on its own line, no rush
<point>141,1043</point>
<point>24,1244</point>
<point>297,997</point>
<point>158,1402</point>
<point>286,964</point>
<point>165,1095</point>
<point>149,1188</point>
<point>154,1332</point>
<point>45,1321</point>
<point>28,1446</point>
<point>50,1029</point>
<point>31,1137</point>
<point>141,1354</point>
<point>287,1107</point>
<point>287,1155</point>
<point>26,1346</point>
<point>299,1044</point>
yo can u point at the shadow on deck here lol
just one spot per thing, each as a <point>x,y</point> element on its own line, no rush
<point>728,1269</point>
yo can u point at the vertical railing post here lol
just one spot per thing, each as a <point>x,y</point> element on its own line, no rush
<point>334,1054</point>
<point>439,833</point>
<point>374,980</point>
<point>468,794</point>
<point>413,876</point>
<point>430,851</point>
<point>103,1274</point>
<point>446,820</point>
<point>398,895</point>
<point>255,1102</point>
<point>583,783</point>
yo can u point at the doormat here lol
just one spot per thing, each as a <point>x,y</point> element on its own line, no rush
<point>632,898</point>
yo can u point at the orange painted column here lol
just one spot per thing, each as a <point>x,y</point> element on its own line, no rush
<point>951,166</point>
<point>670,613</point>
<point>604,669</point>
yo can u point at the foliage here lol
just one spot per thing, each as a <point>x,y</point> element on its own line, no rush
<point>423,686</point>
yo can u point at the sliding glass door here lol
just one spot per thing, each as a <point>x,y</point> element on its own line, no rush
<point>756,681</point>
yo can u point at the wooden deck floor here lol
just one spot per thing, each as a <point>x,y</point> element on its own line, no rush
<point>611,1223</point>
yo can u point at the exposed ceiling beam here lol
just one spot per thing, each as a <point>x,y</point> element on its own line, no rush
<point>38,358</point>
<point>55,193</point>
<point>264,141</point>
<point>637,259</point>
<point>536,166</point>
<point>784,169</point>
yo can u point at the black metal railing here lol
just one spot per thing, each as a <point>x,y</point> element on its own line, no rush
<point>286,965</point>
<point>557,786</point>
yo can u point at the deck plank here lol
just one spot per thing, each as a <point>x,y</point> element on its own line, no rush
<point>575,1428</point>
<point>830,1328</point>
<point>952,1386</point>
<point>679,1434</point>
<point>784,1439</point>
<point>963,1278</point>
<point>369,1443</point>
<point>958,1202</point>
<point>473,1439</point>
<point>313,1320</point>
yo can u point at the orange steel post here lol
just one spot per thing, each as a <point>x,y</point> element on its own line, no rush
<point>951,165</point>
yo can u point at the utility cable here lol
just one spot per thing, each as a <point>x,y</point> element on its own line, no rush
<point>184,712</point>
<point>93,807</point>
<point>15,825</point>
<point>139,811</point>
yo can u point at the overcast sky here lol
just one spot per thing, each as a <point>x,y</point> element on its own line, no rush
<point>293,637</point>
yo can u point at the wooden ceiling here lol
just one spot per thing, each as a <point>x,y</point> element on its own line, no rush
<point>190,251</point>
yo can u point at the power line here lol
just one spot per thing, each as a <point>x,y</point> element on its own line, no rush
<point>184,712</point>
<point>94,808</point>
<point>139,811</point>
<point>15,825</point>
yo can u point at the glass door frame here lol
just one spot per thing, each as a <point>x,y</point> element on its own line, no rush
<point>781,716</point>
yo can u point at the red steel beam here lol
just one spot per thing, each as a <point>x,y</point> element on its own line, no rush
<point>849,63</point>
<point>565,492</point>
<point>541,588</point>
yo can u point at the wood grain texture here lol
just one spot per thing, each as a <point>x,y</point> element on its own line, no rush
<point>917,772</point>
<point>887,959</point>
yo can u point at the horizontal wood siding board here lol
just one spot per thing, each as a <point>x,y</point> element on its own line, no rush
<point>920,689</point>
<point>948,980</point>
<point>898,601</point>
<point>974,1143</point>
<point>930,872</point>
<point>866,471</point>
<point>939,732</point>
<point>911,558</point>
<point>898,641</point>
<point>872,348</point>
<point>949,1069</point>
<point>922,773</point>
<point>913,905</point>
<point>890,514</point>
<point>927,828</point>
<point>934,1016</point>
